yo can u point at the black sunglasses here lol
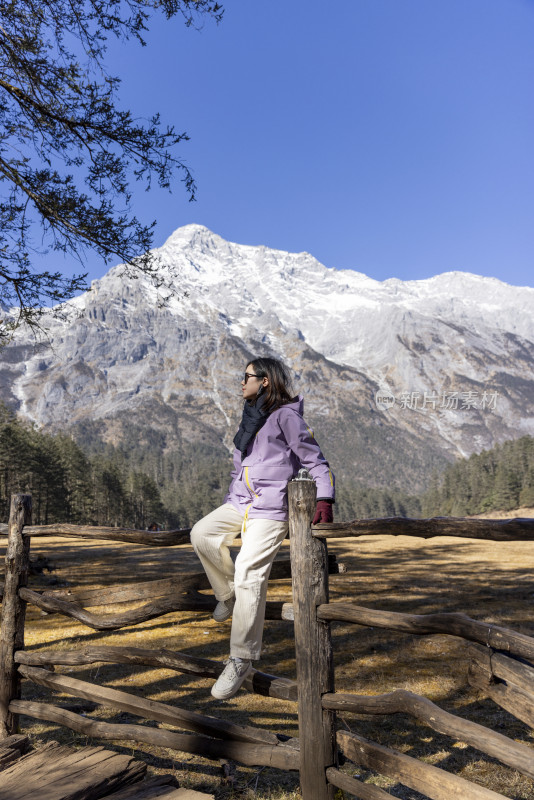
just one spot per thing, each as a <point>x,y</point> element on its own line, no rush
<point>250,375</point>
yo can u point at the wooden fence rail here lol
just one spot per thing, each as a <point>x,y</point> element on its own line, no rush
<point>13,609</point>
<point>148,709</point>
<point>453,624</point>
<point>515,755</point>
<point>498,530</point>
<point>262,755</point>
<point>179,584</point>
<point>509,683</point>
<point>150,538</point>
<point>425,778</point>
<point>258,682</point>
<point>363,791</point>
<point>505,530</point>
<point>499,668</point>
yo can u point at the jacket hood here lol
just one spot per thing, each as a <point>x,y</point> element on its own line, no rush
<point>297,404</point>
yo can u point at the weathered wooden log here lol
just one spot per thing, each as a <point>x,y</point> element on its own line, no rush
<point>55,772</point>
<point>7,757</point>
<point>313,646</point>
<point>363,791</point>
<point>258,682</point>
<point>517,701</point>
<point>13,608</point>
<point>450,623</point>
<point>193,601</point>
<point>431,781</point>
<point>499,530</point>
<point>164,792</point>
<point>130,592</point>
<point>149,709</point>
<point>150,538</point>
<point>513,754</point>
<point>11,748</point>
<point>258,754</point>
<point>183,582</point>
<point>518,529</point>
<point>501,666</point>
<point>180,583</point>
<point>166,659</point>
<point>111,622</point>
<point>161,786</point>
<point>281,569</point>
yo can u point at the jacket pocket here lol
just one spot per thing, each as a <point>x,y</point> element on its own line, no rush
<point>259,474</point>
<point>269,485</point>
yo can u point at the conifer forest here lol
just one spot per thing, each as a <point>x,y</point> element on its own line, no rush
<point>137,482</point>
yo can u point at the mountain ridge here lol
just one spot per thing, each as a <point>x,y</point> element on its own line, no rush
<point>121,351</point>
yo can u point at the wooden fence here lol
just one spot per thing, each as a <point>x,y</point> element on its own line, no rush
<point>502,659</point>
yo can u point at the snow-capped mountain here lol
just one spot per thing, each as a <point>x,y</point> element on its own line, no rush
<point>342,314</point>
<point>451,357</point>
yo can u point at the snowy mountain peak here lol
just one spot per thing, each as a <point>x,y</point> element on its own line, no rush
<point>193,235</point>
<point>345,315</point>
<point>455,332</point>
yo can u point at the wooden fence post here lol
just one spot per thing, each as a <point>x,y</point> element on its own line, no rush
<point>315,668</point>
<point>13,608</point>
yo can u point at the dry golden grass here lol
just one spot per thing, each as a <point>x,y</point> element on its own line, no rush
<point>488,580</point>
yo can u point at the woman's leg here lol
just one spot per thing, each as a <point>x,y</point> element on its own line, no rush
<point>211,537</point>
<point>261,541</point>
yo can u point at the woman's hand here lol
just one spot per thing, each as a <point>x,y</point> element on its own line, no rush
<point>323,512</point>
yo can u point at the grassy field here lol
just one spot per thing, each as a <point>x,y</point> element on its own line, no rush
<point>490,581</point>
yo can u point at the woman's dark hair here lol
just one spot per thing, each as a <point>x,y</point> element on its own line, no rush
<point>277,393</point>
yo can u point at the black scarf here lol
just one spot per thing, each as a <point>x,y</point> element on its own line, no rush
<point>254,417</point>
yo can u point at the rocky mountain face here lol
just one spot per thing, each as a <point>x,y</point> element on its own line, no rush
<point>399,376</point>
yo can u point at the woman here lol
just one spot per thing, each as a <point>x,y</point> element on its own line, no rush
<point>273,442</point>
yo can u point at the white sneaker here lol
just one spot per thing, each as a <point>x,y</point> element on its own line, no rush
<point>231,678</point>
<point>224,609</point>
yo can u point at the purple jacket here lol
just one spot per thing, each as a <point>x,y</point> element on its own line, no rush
<point>280,448</point>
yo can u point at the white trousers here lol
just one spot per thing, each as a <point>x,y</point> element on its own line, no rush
<point>247,578</point>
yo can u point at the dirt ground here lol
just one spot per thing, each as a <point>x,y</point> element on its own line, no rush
<point>490,581</point>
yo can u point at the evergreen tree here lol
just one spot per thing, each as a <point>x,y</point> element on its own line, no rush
<point>141,481</point>
<point>500,479</point>
<point>61,130</point>
<point>77,481</point>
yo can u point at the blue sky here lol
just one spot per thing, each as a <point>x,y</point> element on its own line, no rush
<point>394,137</point>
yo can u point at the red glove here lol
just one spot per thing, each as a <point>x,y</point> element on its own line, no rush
<point>323,512</point>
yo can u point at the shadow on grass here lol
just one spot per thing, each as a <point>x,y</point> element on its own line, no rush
<point>486,580</point>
